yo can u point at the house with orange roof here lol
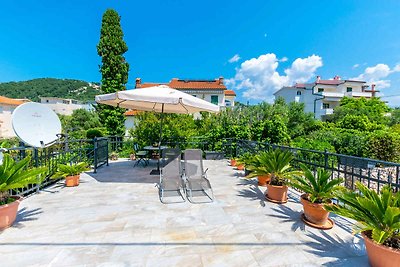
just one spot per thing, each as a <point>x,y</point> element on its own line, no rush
<point>7,106</point>
<point>213,91</point>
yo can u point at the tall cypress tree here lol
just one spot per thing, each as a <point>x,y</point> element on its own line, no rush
<point>114,69</point>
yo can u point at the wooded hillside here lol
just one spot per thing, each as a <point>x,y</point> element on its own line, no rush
<point>63,88</point>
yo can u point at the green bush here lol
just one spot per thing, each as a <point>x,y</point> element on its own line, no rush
<point>384,145</point>
<point>92,133</point>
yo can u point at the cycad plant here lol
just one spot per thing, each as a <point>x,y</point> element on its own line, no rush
<point>319,188</point>
<point>15,175</point>
<point>275,162</point>
<point>376,213</point>
<point>65,170</point>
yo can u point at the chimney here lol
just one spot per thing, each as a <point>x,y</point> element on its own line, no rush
<point>373,90</point>
<point>318,78</point>
<point>138,82</point>
<point>220,80</point>
<point>336,78</point>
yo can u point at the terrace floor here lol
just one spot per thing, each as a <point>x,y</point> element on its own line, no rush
<point>115,218</point>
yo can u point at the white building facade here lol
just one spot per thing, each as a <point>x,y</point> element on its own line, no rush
<point>322,96</point>
<point>7,106</point>
<point>64,106</point>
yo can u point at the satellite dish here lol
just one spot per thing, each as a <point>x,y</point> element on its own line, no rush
<point>36,124</point>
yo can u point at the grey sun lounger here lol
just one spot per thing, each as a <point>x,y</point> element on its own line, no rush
<point>197,186</point>
<point>171,185</point>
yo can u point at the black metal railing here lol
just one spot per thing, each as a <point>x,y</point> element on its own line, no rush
<point>373,173</point>
<point>92,151</point>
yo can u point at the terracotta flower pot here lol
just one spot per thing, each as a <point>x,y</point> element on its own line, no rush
<point>233,162</point>
<point>263,180</point>
<point>314,212</point>
<point>380,255</point>
<point>276,193</point>
<point>240,167</point>
<point>8,213</point>
<point>72,180</point>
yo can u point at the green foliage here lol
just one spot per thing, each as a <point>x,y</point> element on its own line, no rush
<point>378,213</point>
<point>64,170</point>
<point>176,128</point>
<point>275,162</point>
<point>79,122</point>
<point>319,188</point>
<point>374,108</point>
<point>394,117</point>
<point>247,159</point>
<point>114,69</point>
<point>92,133</point>
<point>50,87</point>
<point>14,175</point>
<point>384,145</point>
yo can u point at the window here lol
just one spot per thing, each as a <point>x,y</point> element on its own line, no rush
<point>194,95</point>
<point>298,93</point>
<point>214,99</point>
<point>349,89</point>
<point>65,102</point>
<point>228,103</point>
<point>325,105</point>
<point>47,101</point>
<point>320,90</point>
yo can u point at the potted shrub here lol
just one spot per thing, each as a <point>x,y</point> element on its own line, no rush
<point>244,160</point>
<point>378,217</point>
<point>233,162</point>
<point>114,155</point>
<point>71,172</point>
<point>318,191</point>
<point>255,167</point>
<point>14,175</point>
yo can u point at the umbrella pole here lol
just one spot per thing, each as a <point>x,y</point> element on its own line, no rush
<point>159,142</point>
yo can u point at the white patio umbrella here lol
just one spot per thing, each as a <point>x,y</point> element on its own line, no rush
<point>161,99</point>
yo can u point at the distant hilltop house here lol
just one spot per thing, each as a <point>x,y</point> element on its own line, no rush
<point>7,106</point>
<point>64,106</point>
<point>322,96</point>
<point>213,91</point>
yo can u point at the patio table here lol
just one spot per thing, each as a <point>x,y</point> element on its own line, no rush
<point>159,149</point>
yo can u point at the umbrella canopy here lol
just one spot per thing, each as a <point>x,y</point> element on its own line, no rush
<point>162,99</point>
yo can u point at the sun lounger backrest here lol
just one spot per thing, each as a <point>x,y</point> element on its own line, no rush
<point>193,163</point>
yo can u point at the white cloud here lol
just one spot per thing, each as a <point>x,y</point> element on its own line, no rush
<point>284,59</point>
<point>377,74</point>
<point>259,79</point>
<point>356,66</point>
<point>235,58</point>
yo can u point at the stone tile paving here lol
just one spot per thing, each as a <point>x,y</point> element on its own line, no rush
<point>114,218</point>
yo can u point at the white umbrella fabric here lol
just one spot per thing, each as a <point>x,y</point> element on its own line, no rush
<point>161,99</point>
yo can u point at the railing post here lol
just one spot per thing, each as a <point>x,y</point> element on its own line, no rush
<point>106,150</point>
<point>326,159</point>
<point>95,154</point>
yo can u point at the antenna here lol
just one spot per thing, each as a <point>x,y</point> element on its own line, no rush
<point>36,124</point>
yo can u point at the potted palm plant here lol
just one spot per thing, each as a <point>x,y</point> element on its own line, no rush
<point>14,175</point>
<point>256,168</point>
<point>274,164</point>
<point>378,217</point>
<point>71,173</point>
<point>318,191</point>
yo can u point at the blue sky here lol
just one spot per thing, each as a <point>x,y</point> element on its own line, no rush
<point>276,42</point>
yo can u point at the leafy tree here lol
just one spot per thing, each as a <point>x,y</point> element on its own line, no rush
<point>79,122</point>
<point>395,117</point>
<point>374,108</point>
<point>114,69</point>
